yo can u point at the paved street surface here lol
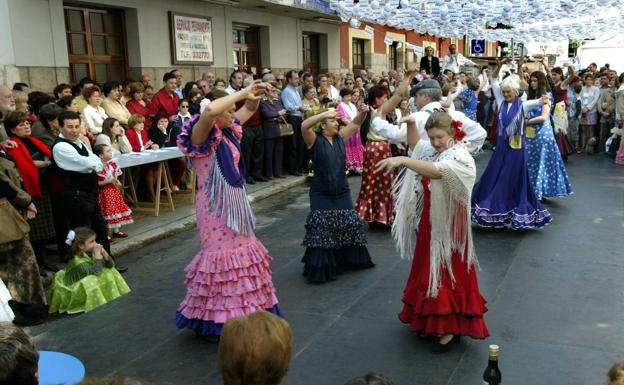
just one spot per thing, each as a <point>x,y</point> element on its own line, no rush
<point>556,300</point>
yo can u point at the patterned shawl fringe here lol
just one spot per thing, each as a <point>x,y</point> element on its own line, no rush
<point>228,202</point>
<point>407,191</point>
<point>516,126</point>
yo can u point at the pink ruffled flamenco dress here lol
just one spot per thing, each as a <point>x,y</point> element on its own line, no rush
<point>230,276</point>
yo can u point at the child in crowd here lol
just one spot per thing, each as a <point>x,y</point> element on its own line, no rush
<point>183,112</point>
<point>139,140</point>
<point>114,210</point>
<point>89,280</point>
<point>165,134</point>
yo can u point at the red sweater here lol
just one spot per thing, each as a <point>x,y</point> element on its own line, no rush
<point>256,118</point>
<point>136,108</point>
<point>133,138</point>
<point>162,101</point>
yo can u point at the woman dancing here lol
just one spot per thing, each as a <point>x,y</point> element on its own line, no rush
<point>503,197</point>
<point>334,238</point>
<point>441,298</point>
<point>230,276</point>
<point>547,172</point>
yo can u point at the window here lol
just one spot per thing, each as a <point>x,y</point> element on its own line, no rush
<point>392,56</point>
<point>311,53</point>
<point>246,52</point>
<point>358,54</point>
<point>96,43</point>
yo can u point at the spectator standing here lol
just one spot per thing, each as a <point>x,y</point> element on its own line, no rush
<point>606,111</point>
<point>93,113</point>
<point>310,103</point>
<point>454,60</point>
<point>178,77</point>
<point>166,99</point>
<point>46,128</point>
<point>146,80</point>
<point>111,103</point>
<point>353,146</point>
<point>429,63</point>
<point>236,82</point>
<point>252,143</point>
<point>32,158</point>
<point>78,170</point>
<point>294,150</point>
<point>18,264</point>
<point>273,113</point>
<point>589,111</point>
<point>137,105</point>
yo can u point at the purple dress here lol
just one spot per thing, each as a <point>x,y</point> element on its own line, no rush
<point>503,197</point>
<point>230,276</point>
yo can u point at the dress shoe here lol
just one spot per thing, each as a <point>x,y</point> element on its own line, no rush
<point>251,180</point>
<point>120,234</point>
<point>261,179</point>
<point>110,239</point>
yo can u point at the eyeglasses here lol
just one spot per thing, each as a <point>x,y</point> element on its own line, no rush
<point>183,106</point>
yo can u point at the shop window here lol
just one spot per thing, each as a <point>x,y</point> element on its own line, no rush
<point>246,45</point>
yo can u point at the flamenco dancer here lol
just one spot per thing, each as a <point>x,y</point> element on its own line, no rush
<point>230,276</point>
<point>503,197</point>
<point>374,203</point>
<point>441,298</point>
<point>547,172</point>
<point>353,146</point>
<point>334,239</point>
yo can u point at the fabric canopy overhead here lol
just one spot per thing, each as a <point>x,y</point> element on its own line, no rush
<point>494,20</point>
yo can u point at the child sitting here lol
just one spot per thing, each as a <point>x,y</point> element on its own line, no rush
<point>138,138</point>
<point>165,134</point>
<point>115,211</point>
<point>89,280</point>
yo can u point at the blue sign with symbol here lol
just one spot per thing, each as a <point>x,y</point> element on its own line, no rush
<point>477,47</point>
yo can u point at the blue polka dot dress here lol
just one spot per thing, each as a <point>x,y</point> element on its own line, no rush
<point>547,172</point>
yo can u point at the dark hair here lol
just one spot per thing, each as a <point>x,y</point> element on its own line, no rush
<point>187,88</point>
<point>194,92</point>
<point>376,92</point>
<point>80,237</point>
<point>162,114</point>
<point>233,74</point>
<point>290,74</point>
<point>345,91</point>
<point>59,88</point>
<point>557,70</point>
<point>107,128</point>
<point>542,85</point>
<point>19,358</point>
<point>183,101</point>
<point>219,80</point>
<point>84,81</point>
<point>49,112</point>
<point>37,99</point>
<point>306,89</point>
<point>216,94</point>
<point>67,115</point>
<point>578,88</point>
<point>370,378</point>
<point>168,76</point>
<point>306,75</point>
<point>14,119</point>
<point>19,85</point>
<point>109,86</point>
<point>65,101</point>
<point>98,149</point>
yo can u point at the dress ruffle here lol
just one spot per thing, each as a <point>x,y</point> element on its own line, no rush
<point>228,283</point>
<point>210,328</point>
<point>484,218</point>
<point>186,145</point>
<point>322,265</point>
<point>332,229</point>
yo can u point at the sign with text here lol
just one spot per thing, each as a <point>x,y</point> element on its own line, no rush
<point>191,39</point>
<point>370,31</point>
<point>388,40</point>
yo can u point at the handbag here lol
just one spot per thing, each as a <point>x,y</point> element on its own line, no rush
<point>286,128</point>
<point>13,226</point>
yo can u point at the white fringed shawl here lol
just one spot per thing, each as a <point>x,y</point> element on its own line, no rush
<point>450,209</point>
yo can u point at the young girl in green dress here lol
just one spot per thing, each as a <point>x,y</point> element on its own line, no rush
<point>89,280</point>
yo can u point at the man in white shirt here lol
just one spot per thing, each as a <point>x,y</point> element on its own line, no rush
<point>78,170</point>
<point>427,96</point>
<point>236,82</point>
<point>454,60</point>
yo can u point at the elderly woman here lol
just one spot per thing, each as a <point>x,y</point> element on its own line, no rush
<point>273,113</point>
<point>442,297</point>
<point>334,238</point>
<point>93,113</point>
<point>255,349</point>
<point>18,264</point>
<point>230,276</point>
<point>112,104</point>
<point>504,197</point>
<point>137,105</point>
<point>33,158</point>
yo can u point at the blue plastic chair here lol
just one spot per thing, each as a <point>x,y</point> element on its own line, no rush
<point>56,368</point>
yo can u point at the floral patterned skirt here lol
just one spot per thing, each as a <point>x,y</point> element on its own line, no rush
<point>375,203</point>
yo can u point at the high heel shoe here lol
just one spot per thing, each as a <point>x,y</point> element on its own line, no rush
<point>438,348</point>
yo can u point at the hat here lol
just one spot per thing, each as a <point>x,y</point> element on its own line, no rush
<point>426,84</point>
<point>266,71</point>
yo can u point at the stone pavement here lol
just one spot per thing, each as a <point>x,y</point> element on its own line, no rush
<point>147,228</point>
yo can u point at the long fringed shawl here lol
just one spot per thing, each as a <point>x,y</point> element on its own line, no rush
<point>512,118</point>
<point>449,214</point>
<point>225,184</point>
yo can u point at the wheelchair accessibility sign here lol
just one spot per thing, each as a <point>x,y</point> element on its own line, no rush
<point>477,47</point>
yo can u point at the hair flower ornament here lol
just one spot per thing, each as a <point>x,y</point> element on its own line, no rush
<point>70,237</point>
<point>459,133</point>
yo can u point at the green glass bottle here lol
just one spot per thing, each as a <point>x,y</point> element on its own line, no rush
<point>491,374</point>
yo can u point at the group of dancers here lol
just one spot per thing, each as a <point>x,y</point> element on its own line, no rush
<point>431,193</point>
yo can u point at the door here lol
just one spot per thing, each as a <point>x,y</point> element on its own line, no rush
<point>96,42</point>
<point>246,49</point>
<point>311,60</point>
<point>357,54</point>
